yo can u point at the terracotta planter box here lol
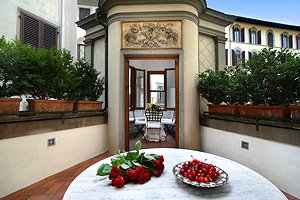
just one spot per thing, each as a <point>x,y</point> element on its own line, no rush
<point>295,112</point>
<point>38,105</point>
<point>224,109</point>
<point>9,105</point>
<point>87,105</point>
<point>264,111</point>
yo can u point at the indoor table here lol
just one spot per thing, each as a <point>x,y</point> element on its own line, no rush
<point>243,183</point>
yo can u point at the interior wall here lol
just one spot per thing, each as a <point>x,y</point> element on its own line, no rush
<point>278,162</point>
<point>26,160</point>
<point>156,65</point>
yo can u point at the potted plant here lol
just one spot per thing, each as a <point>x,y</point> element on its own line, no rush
<point>214,87</point>
<point>7,78</point>
<point>87,87</point>
<point>271,83</point>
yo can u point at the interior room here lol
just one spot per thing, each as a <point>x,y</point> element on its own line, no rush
<point>152,82</point>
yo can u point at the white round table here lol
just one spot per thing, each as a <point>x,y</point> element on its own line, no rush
<point>243,182</point>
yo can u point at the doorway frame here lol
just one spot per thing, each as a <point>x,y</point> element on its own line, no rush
<point>126,93</point>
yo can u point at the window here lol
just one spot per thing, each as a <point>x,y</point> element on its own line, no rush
<point>236,34</point>
<point>237,57</point>
<point>136,88</point>
<point>37,33</point>
<point>298,41</point>
<point>270,38</point>
<point>84,12</point>
<point>156,88</point>
<point>254,36</point>
<point>286,40</point>
<point>252,53</point>
<point>80,52</point>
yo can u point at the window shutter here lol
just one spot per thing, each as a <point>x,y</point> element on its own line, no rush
<point>49,35</point>
<point>249,55</point>
<point>291,41</point>
<point>30,30</point>
<point>259,37</point>
<point>233,58</point>
<point>298,41</point>
<point>243,56</point>
<point>281,39</point>
<point>242,35</point>
<point>233,35</point>
<point>226,56</point>
<point>250,41</point>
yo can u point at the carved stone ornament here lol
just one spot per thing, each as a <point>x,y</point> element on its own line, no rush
<point>151,35</point>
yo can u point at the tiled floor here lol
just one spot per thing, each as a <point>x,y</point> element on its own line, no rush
<point>54,187</point>
<point>170,142</point>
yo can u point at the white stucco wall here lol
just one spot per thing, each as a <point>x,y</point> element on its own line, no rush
<point>278,162</point>
<point>49,11</point>
<point>26,160</point>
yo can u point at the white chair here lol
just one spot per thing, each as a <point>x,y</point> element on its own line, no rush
<point>168,121</point>
<point>153,125</point>
<point>140,122</point>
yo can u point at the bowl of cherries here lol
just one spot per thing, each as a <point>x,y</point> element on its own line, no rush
<point>200,174</point>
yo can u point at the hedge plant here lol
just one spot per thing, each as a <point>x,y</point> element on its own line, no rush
<point>46,74</point>
<point>272,77</point>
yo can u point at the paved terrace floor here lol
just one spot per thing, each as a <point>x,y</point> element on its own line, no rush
<point>55,186</point>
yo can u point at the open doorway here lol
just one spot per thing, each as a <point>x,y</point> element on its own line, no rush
<point>151,83</point>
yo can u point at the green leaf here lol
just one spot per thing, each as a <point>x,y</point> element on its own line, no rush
<point>129,163</point>
<point>138,145</point>
<point>104,170</point>
<point>124,166</point>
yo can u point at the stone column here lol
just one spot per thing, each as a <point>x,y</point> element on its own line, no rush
<point>189,98</point>
<point>116,105</point>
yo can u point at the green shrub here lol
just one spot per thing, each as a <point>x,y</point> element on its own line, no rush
<point>46,73</point>
<point>87,85</point>
<point>213,86</point>
<point>271,77</point>
<point>274,77</point>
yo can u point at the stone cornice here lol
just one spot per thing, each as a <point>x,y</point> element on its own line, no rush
<point>106,5</point>
<point>88,22</point>
<point>95,35</point>
<point>142,16</point>
<point>217,17</point>
<point>211,32</point>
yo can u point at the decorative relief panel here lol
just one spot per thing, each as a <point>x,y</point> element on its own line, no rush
<point>151,35</point>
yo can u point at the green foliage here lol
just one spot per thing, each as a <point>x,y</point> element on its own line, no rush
<point>213,85</point>
<point>274,77</point>
<point>271,77</point>
<point>46,73</point>
<point>87,86</point>
<point>238,79</point>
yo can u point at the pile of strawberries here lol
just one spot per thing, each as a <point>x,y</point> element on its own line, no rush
<point>199,171</point>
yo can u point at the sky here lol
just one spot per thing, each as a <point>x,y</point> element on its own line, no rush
<point>281,11</point>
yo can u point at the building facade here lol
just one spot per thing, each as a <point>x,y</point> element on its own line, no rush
<point>44,24</point>
<point>188,33</point>
<point>246,37</point>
